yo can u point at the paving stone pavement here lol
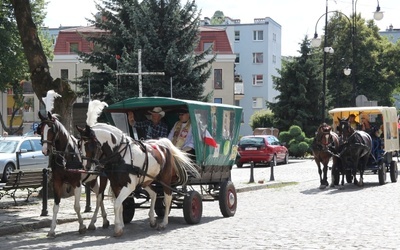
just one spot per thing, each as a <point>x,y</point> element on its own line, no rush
<point>293,213</point>
<point>26,215</point>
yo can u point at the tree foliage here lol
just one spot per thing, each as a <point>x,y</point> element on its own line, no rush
<point>296,141</point>
<point>14,67</point>
<point>262,119</point>
<point>371,57</point>
<point>167,35</point>
<point>374,62</point>
<point>36,57</point>
<point>300,92</point>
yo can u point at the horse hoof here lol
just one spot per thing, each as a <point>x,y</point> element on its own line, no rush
<point>82,230</point>
<point>106,224</point>
<point>51,235</point>
<point>92,227</point>
<point>118,234</point>
<point>153,225</point>
<point>322,187</point>
<point>160,228</point>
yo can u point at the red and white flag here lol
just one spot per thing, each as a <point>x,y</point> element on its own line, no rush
<point>209,140</point>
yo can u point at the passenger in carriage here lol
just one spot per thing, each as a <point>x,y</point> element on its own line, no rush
<point>352,121</point>
<point>154,128</point>
<point>181,134</point>
<point>365,124</point>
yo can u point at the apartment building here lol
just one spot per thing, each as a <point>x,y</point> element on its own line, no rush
<point>257,47</point>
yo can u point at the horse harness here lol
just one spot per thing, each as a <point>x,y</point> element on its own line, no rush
<point>115,159</point>
<point>328,144</point>
<point>118,153</point>
<point>53,150</point>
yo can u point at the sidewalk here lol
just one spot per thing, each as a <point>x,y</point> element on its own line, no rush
<point>26,216</point>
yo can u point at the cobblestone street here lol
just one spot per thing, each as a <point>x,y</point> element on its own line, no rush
<point>296,215</point>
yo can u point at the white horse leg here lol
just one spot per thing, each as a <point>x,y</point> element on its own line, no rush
<point>77,207</point>
<point>95,189</point>
<point>53,225</point>
<point>167,201</point>
<point>118,208</point>
<point>153,197</point>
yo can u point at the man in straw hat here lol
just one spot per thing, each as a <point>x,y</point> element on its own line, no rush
<point>154,128</point>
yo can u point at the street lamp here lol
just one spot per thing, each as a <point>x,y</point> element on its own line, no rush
<point>316,42</point>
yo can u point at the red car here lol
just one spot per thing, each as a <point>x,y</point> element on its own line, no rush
<point>261,149</point>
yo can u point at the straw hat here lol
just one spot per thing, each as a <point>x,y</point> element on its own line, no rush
<point>157,110</point>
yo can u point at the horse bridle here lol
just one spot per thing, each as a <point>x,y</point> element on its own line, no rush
<point>99,157</point>
<point>51,143</point>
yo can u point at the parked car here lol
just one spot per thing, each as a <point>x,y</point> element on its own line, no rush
<point>30,154</point>
<point>265,149</point>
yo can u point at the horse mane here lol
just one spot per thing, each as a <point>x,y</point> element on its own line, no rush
<point>94,110</point>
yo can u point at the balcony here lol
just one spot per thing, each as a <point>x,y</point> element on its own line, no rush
<point>239,90</point>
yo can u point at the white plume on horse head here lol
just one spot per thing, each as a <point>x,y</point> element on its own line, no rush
<point>94,110</point>
<point>49,100</point>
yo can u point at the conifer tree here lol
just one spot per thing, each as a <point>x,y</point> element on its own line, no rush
<point>300,99</point>
<point>167,35</point>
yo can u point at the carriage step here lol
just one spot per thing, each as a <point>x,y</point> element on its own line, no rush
<point>82,171</point>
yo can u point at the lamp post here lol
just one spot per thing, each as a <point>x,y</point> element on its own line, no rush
<point>316,42</point>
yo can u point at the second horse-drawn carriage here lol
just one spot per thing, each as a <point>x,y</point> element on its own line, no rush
<point>377,144</point>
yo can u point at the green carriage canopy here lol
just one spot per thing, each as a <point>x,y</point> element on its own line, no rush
<point>220,122</point>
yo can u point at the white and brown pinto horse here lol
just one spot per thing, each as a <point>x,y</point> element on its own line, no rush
<point>128,163</point>
<point>66,166</point>
<point>324,147</point>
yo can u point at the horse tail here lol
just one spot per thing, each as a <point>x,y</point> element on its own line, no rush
<point>182,159</point>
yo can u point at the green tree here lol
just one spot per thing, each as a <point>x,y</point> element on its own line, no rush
<point>37,58</point>
<point>262,119</point>
<point>372,58</point>
<point>300,87</point>
<point>296,141</point>
<point>218,18</point>
<point>13,62</point>
<point>167,34</point>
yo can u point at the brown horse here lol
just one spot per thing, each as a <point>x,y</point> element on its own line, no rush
<point>324,146</point>
<point>128,164</point>
<point>66,166</point>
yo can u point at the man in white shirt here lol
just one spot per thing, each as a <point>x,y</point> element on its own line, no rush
<point>181,134</point>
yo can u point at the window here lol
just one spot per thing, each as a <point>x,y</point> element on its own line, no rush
<point>237,36</point>
<point>64,74</point>
<point>217,78</point>
<point>73,47</point>
<point>217,100</point>
<point>274,37</point>
<point>258,57</point>
<point>258,35</point>
<point>207,45</point>
<point>274,58</point>
<point>258,80</point>
<point>26,145</point>
<point>257,102</point>
<point>237,59</point>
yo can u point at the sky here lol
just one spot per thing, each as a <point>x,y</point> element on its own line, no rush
<point>297,18</point>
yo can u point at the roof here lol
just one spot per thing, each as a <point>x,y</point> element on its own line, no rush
<point>369,109</point>
<point>141,102</point>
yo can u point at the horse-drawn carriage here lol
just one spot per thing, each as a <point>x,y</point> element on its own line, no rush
<point>208,120</point>
<point>383,142</point>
